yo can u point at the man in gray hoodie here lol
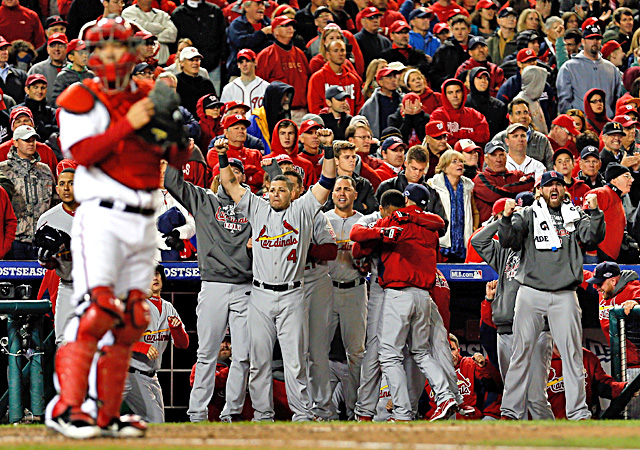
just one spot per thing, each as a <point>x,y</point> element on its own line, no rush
<point>225,269</point>
<point>549,234</point>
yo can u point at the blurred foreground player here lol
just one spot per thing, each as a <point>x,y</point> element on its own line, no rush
<point>108,125</point>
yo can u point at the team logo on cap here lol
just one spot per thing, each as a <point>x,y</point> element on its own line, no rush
<point>372,9</point>
<point>439,126</point>
<point>554,173</point>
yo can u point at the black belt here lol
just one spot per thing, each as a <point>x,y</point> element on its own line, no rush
<point>348,284</point>
<point>277,287</point>
<point>142,372</point>
<point>129,208</point>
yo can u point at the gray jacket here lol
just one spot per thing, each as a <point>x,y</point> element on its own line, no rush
<point>371,110</point>
<point>221,230</point>
<point>538,146</point>
<point>66,78</point>
<point>506,262</point>
<point>546,270</point>
<point>50,72</point>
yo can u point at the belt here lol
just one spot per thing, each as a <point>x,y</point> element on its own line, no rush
<point>128,208</point>
<point>349,284</point>
<point>142,372</point>
<point>278,287</point>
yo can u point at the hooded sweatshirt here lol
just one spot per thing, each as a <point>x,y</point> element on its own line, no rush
<point>324,79</point>
<point>209,126</point>
<point>464,122</point>
<point>533,82</point>
<point>610,202</point>
<point>595,122</point>
<point>491,108</point>
<point>301,165</point>
<point>495,72</point>
<point>266,117</point>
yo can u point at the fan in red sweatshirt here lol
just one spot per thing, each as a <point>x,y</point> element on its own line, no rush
<point>610,202</point>
<point>285,142</point>
<point>332,74</point>
<point>461,121</point>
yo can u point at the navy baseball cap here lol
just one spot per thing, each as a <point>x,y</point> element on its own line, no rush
<point>417,193</point>
<point>612,128</point>
<point>525,199</point>
<point>550,176</point>
<point>420,13</point>
<point>589,150</point>
<point>508,11</point>
<point>392,142</point>
<point>336,92</point>
<point>235,162</point>
<point>603,272</point>
<point>476,40</point>
<point>493,146</point>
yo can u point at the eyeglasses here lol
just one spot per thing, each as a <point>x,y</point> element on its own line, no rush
<point>627,176</point>
<point>596,101</point>
<point>364,138</point>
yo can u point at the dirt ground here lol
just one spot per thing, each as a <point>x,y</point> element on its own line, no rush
<point>340,435</point>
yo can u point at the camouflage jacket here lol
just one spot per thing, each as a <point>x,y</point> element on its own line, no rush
<point>33,190</point>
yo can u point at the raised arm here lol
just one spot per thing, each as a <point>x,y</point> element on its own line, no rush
<point>227,178</point>
<point>511,231</point>
<point>324,186</point>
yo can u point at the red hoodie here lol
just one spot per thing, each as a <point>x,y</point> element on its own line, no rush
<point>301,164</point>
<point>577,191</point>
<point>595,123</point>
<point>464,122</point>
<point>210,127</point>
<point>250,159</point>
<point>496,74</point>
<point>430,100</point>
<point>614,217</point>
<point>318,61</point>
<point>444,13</point>
<point>325,78</point>
<point>491,186</point>
<point>274,63</point>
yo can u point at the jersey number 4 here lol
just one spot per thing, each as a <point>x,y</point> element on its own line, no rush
<point>293,256</point>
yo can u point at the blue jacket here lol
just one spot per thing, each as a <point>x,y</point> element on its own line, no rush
<point>513,86</point>
<point>428,44</point>
<point>241,34</point>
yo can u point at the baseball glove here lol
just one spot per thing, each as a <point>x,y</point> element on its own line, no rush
<point>49,242</point>
<point>166,127</point>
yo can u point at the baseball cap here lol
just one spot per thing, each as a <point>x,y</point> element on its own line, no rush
<point>310,116</point>
<point>309,125</point>
<point>282,21</point>
<point>420,13</point>
<point>247,53</point>
<point>603,272</point>
<point>565,121</point>
<point>550,176</point>
<point>55,20</point>
<point>371,11</point>
<point>560,151</point>
<point>410,97</point>
<point>35,78</point>
<point>139,68</point>
<point>397,66</point>
<point>526,54</point>
<point>485,4</point>
<point>392,142</point>
<point>76,44</point>
<point>498,206</point>
<point>211,101</point>
<point>189,53</point>
<point>320,10</point>
<point>336,92</point>
<point>58,37</point>
<point>516,126</point>
<point>435,128</point>
<point>235,162</point>
<point>591,32</point>
<point>233,119</point>
<point>283,158</point>
<point>589,150</point>
<point>588,22</point>
<point>388,132</point>
<point>614,170</point>
<point>625,121</point>
<point>66,165</point>
<point>476,40</point>
<point>612,128</point>
<point>280,10</point>
<point>441,27</point>
<point>525,198</point>
<point>466,146</point>
<point>18,111</point>
<point>384,72</point>
<point>508,11</point>
<point>417,193</point>
<point>4,42</point>
<point>493,146</point>
<point>143,35</point>
<point>24,132</point>
<point>398,26</point>
<point>235,104</point>
<point>609,48</point>
<point>626,109</point>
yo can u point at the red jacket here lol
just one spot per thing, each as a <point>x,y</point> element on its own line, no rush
<point>464,122</point>
<point>210,127</point>
<point>289,66</point>
<point>411,261</point>
<point>302,165</point>
<point>315,160</point>
<point>318,61</point>
<point>491,186</point>
<point>472,254</point>
<point>324,79</point>
<point>250,159</point>
<point>597,384</point>
<point>8,225</point>
<point>367,172</point>
<point>46,155</point>
<point>20,22</point>
<point>614,217</point>
<point>496,74</point>
<point>385,172</point>
<point>388,17</point>
<point>430,100</point>
<point>446,12</point>
<point>577,191</point>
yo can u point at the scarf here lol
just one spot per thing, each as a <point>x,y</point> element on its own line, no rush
<point>456,222</point>
<point>544,228</point>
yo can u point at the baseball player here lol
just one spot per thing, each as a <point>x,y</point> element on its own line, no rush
<point>225,268</point>
<point>142,391</point>
<point>53,244</point>
<point>102,124</point>
<point>281,238</point>
<point>349,287</point>
<point>549,232</point>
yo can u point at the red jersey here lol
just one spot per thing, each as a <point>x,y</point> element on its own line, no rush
<point>8,223</point>
<point>388,17</point>
<point>324,79</point>
<point>301,164</point>
<point>250,159</point>
<point>289,66</point>
<point>614,217</point>
<point>472,255</point>
<point>446,12</point>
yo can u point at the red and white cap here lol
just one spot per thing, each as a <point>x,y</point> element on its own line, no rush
<point>466,146</point>
<point>233,119</point>
<point>247,53</point>
<point>526,54</point>
<point>371,11</point>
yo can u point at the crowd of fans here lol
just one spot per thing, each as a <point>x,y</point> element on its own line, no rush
<point>473,100</point>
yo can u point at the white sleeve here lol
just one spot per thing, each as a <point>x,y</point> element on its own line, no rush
<point>76,127</point>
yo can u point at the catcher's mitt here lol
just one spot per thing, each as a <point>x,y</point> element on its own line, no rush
<point>50,241</point>
<point>166,126</point>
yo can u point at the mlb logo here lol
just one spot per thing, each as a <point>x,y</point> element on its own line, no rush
<point>439,126</point>
<point>477,274</point>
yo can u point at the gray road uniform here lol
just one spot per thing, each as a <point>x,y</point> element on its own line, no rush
<point>277,309</point>
<point>318,294</point>
<point>142,390</point>
<point>58,218</point>
<point>349,304</point>
<point>548,282</point>
<point>506,262</point>
<point>225,268</point>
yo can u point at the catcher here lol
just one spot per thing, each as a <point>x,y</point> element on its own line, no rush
<point>117,132</point>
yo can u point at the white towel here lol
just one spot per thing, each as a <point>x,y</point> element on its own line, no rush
<point>544,228</point>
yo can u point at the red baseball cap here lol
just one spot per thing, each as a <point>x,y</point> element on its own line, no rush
<point>385,72</point>
<point>4,42</point>
<point>144,35</point>
<point>410,97</point>
<point>371,11</point>
<point>435,128</point>
<point>18,111</point>
<point>233,119</point>
<point>466,146</point>
<point>588,22</point>
<point>440,27</point>
<point>609,48</point>
<point>625,109</point>
<point>498,206</point>
<point>565,121</point>
<point>485,4</point>
<point>66,165</point>
<point>309,125</point>
<point>247,53</point>
<point>58,37</point>
<point>399,25</point>
<point>76,44</point>
<point>35,78</point>
<point>282,158</point>
<point>625,121</point>
<point>526,54</point>
<point>234,104</point>
<point>282,21</point>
